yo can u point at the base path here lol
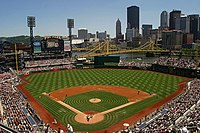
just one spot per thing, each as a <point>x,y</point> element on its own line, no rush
<point>116,108</point>
<point>132,95</point>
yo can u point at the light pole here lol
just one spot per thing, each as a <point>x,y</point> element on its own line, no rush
<point>16,59</point>
<point>70,25</point>
<point>31,24</point>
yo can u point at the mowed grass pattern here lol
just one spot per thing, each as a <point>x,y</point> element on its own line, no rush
<point>108,101</point>
<point>160,84</point>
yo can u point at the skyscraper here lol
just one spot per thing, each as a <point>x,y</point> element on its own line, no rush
<point>83,33</point>
<point>173,15</point>
<point>101,35</point>
<point>146,30</point>
<point>119,35</point>
<point>118,28</point>
<point>177,23</point>
<point>199,24</point>
<point>133,17</point>
<point>172,39</point>
<point>130,34</point>
<point>164,19</point>
<point>185,24</point>
<point>194,26</point>
<point>199,28</point>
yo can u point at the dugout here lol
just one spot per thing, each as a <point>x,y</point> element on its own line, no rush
<point>106,61</point>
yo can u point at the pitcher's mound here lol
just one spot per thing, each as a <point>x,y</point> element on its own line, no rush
<point>95,100</point>
<point>82,118</point>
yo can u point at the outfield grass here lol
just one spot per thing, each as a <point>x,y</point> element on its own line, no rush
<point>160,84</point>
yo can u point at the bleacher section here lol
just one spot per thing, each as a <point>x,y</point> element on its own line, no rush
<point>16,114</point>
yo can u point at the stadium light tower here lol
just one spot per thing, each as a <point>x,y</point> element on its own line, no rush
<point>70,25</point>
<point>31,24</point>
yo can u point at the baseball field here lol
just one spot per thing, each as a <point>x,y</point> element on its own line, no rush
<point>96,99</point>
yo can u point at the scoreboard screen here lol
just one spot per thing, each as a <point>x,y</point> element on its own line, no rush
<point>52,43</point>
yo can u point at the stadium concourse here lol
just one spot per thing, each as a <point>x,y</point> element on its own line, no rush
<point>180,115</point>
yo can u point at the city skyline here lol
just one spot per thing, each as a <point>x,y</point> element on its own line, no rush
<point>51,15</point>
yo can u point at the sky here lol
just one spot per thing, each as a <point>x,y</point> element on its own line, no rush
<point>95,15</point>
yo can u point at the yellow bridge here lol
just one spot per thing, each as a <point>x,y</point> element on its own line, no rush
<point>108,48</point>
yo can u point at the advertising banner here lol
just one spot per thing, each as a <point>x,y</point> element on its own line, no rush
<point>67,46</point>
<point>37,47</point>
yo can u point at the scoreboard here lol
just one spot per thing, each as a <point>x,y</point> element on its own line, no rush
<point>53,45</point>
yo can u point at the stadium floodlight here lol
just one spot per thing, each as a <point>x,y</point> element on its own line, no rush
<point>31,21</point>
<point>31,24</point>
<point>70,25</point>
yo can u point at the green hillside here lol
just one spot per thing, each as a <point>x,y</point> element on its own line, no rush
<point>19,39</point>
